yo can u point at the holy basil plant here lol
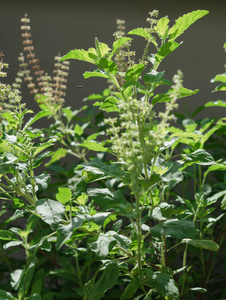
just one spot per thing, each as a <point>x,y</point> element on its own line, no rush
<point>124,203</point>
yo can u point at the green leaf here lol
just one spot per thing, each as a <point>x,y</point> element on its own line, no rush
<point>21,279</point>
<point>64,195</point>
<point>164,284</point>
<point>103,245</point>
<point>96,73</point>
<point>143,32</point>
<point>7,235</point>
<point>94,146</point>
<point>65,232</point>
<point>110,200</point>
<point>51,211</point>
<point>219,78</point>
<point>184,22</point>
<point>56,156</point>
<point>107,65</point>
<point>223,203</point>
<point>6,295</point>
<point>119,43</point>
<point>96,169</point>
<point>165,50</point>
<point>80,54</point>
<point>162,27</point>
<point>134,72</point>
<point>49,296</point>
<point>42,180</point>
<point>199,290</point>
<point>204,244</point>
<point>200,157</point>
<point>101,48</point>
<point>34,297</point>
<point>98,218</point>
<point>38,116</point>
<point>154,76</point>
<point>96,291</point>
<point>165,97</point>
<point>218,103</point>
<point>12,244</point>
<point>221,87</point>
<point>110,104</point>
<point>213,199</point>
<point>78,130</point>
<point>39,159</point>
<point>175,228</point>
<point>131,289</point>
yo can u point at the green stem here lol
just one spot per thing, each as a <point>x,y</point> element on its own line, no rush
<point>19,191</point>
<point>184,268</point>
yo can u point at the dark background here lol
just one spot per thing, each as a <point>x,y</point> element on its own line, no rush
<point>60,26</point>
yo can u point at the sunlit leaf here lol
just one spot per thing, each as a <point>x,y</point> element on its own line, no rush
<point>184,22</point>
<point>51,211</point>
<point>97,73</point>
<point>143,32</point>
<point>79,54</point>
<point>165,50</point>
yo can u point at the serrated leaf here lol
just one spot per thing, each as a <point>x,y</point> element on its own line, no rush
<point>64,195</point>
<point>94,146</point>
<point>165,50</point>
<point>38,116</point>
<point>175,228</point>
<point>200,157</point>
<point>98,218</point>
<point>107,65</point>
<point>204,244</point>
<point>78,130</point>
<point>79,54</point>
<point>165,97</point>
<point>65,232</point>
<point>164,284</point>
<point>40,158</point>
<point>162,27</point>
<point>134,72</point>
<point>119,43</point>
<point>56,156</point>
<point>153,76</point>
<point>184,22</point>
<point>103,245</point>
<point>51,211</point>
<point>97,73</point>
<point>110,104</point>
<point>42,180</point>
<point>143,32</point>
<point>110,200</point>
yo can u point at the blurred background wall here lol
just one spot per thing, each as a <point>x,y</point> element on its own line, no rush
<point>59,26</point>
